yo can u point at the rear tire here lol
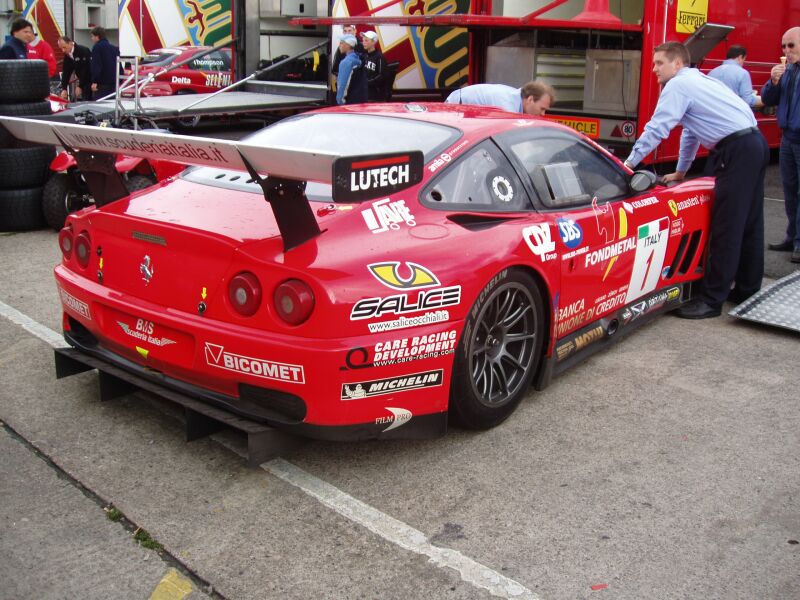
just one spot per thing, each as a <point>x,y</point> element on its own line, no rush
<point>21,210</point>
<point>60,197</point>
<point>139,182</point>
<point>499,351</point>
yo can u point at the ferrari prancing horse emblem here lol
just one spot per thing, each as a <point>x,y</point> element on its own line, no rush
<point>146,270</point>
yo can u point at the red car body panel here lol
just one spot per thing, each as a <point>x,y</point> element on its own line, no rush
<point>394,280</point>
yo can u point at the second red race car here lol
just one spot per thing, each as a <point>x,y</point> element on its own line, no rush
<point>398,264</point>
<point>202,74</point>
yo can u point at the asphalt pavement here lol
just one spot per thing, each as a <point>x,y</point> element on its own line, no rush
<point>664,467</point>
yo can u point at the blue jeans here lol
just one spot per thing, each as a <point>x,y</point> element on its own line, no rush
<point>790,175</point>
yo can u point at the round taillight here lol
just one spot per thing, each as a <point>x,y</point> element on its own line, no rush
<point>83,249</point>
<point>294,301</point>
<point>244,292</point>
<point>65,242</point>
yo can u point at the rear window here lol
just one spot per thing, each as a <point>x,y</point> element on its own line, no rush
<point>353,134</point>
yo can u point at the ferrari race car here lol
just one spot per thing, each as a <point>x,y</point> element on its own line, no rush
<point>365,271</point>
<point>204,74</point>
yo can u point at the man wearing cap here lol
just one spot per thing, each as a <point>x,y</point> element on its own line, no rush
<point>338,56</point>
<point>352,80</point>
<point>533,98</point>
<point>374,66</point>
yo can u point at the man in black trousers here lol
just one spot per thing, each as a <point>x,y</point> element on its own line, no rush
<point>712,115</point>
<point>77,61</point>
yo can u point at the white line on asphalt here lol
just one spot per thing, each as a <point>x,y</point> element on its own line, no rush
<point>45,334</point>
<point>398,532</point>
<point>774,199</point>
<point>355,510</point>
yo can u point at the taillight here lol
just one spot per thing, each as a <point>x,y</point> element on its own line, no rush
<point>83,249</point>
<point>65,241</point>
<point>294,301</point>
<point>244,292</point>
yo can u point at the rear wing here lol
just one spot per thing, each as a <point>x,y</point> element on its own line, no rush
<point>352,178</point>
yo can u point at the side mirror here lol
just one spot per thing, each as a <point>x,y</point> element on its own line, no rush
<point>641,181</point>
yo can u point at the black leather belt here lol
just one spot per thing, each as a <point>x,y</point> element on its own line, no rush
<point>735,135</point>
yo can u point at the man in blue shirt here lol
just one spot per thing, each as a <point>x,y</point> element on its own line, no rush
<point>733,74</point>
<point>16,46</point>
<point>533,98</point>
<point>712,115</point>
<point>351,83</point>
<point>104,64</point>
<point>781,90</point>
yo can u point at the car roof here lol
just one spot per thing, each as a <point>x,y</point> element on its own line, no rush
<point>472,120</point>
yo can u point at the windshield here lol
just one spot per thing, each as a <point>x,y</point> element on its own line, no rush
<point>159,59</point>
<point>355,134</point>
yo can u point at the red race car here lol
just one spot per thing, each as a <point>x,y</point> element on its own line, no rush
<point>399,264</point>
<point>203,74</point>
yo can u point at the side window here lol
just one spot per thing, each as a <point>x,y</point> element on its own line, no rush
<point>564,170</point>
<point>481,180</point>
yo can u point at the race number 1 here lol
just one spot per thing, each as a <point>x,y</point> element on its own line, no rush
<point>651,248</point>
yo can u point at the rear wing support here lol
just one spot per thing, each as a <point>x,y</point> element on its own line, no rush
<point>292,210</point>
<point>99,170</point>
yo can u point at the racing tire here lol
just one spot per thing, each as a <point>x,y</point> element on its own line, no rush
<point>24,80</point>
<point>21,210</point>
<point>60,197</point>
<point>27,109</point>
<point>25,167</point>
<point>139,182</point>
<point>499,351</point>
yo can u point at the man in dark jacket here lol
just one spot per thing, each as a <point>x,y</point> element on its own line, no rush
<point>104,64</point>
<point>21,35</point>
<point>782,91</point>
<point>78,61</point>
<point>374,67</point>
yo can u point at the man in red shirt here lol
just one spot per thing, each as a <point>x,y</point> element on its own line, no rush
<point>40,49</point>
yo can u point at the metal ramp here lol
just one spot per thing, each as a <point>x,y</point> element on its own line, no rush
<point>777,304</point>
<point>263,442</point>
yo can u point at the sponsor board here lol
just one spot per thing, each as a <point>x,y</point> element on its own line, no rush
<point>608,252</point>
<point>429,297</point>
<point>690,15</point>
<point>77,306</point>
<point>688,203</point>
<point>445,157</point>
<point>578,342</point>
<point>399,416</point>
<point>144,331</point>
<point>438,316</point>
<point>384,215</point>
<point>401,350</point>
<point>184,80</point>
<point>540,241</point>
<point>588,127</point>
<point>358,178</point>
<point>642,202</point>
<point>654,302</point>
<point>676,227</point>
<point>216,356</point>
<point>392,385</point>
<point>570,232</point>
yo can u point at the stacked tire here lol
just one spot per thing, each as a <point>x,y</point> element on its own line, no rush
<point>24,167</point>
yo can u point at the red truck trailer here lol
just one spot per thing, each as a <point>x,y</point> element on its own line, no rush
<point>595,53</point>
